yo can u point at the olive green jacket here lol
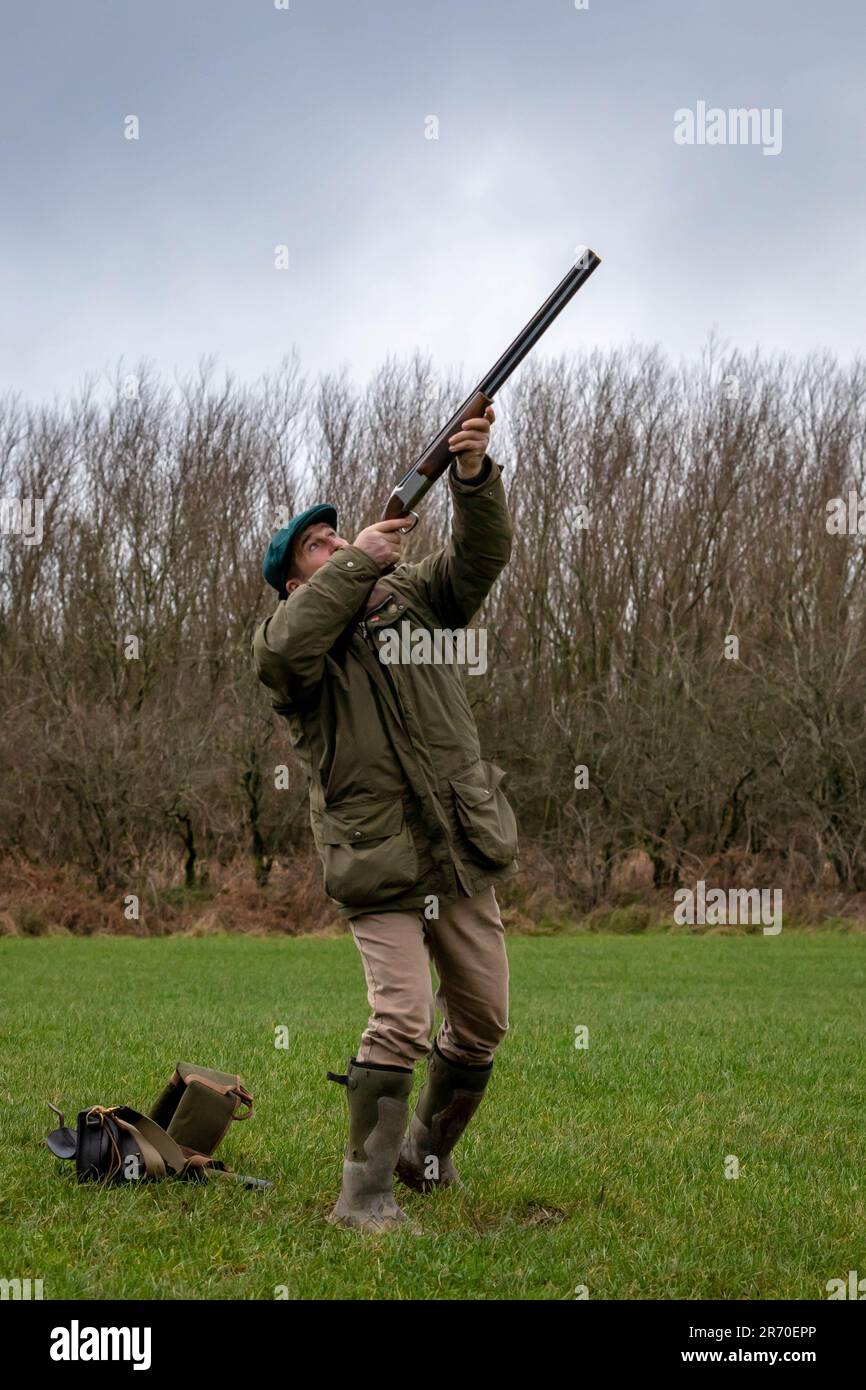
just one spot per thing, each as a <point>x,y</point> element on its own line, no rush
<point>403,808</point>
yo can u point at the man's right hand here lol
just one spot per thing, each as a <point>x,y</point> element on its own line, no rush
<point>382,540</point>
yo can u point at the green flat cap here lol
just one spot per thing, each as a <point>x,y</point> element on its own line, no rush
<point>279,553</point>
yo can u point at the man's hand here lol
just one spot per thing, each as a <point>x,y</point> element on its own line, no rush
<point>381,541</point>
<point>470,444</point>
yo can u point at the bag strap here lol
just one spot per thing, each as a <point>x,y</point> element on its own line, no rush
<point>159,1151</point>
<point>162,1155</point>
<point>244,1098</point>
<point>154,1163</point>
<point>194,1158</point>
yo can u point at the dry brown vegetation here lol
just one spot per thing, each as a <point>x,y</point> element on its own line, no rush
<point>706,488</point>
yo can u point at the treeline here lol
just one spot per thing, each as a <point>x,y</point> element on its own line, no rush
<point>676,619</point>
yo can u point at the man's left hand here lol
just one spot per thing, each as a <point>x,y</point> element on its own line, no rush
<point>470,444</point>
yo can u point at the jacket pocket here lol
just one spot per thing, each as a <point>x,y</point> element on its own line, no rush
<point>367,850</point>
<point>484,813</point>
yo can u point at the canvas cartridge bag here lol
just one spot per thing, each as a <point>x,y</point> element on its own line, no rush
<point>198,1105</point>
<point>177,1139</point>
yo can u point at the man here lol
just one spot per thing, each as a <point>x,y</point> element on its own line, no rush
<point>411,824</point>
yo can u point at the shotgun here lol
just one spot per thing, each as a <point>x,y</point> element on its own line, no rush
<point>432,463</point>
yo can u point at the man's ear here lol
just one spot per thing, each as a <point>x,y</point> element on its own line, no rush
<point>292,585</point>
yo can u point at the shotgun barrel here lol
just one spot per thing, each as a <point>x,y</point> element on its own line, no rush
<point>432,463</point>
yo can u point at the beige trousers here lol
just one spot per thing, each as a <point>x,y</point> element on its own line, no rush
<point>466,945</point>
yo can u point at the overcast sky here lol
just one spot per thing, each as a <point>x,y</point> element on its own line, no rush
<point>307,127</point>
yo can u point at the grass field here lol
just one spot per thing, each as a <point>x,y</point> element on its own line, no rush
<point>602,1167</point>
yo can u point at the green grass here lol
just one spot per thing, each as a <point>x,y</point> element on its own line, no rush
<point>602,1167</point>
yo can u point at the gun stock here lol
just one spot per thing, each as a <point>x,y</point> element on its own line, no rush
<point>432,463</point>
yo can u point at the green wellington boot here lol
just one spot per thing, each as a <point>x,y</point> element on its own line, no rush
<point>450,1096</point>
<point>378,1112</point>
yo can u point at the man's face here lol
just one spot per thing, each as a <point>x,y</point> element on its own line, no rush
<point>313,548</point>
